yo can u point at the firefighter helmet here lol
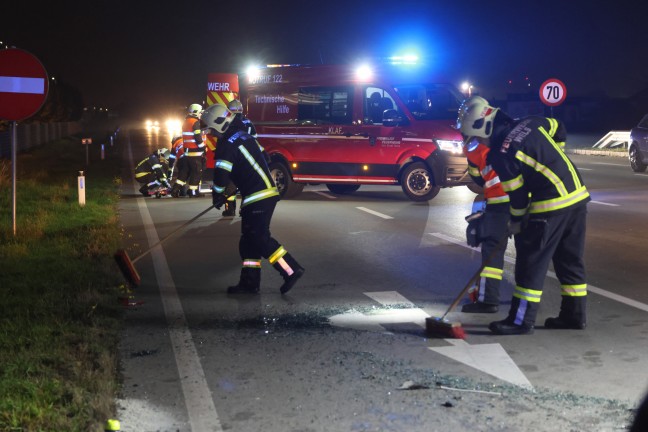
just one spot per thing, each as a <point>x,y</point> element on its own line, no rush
<point>235,106</point>
<point>163,153</point>
<point>475,117</point>
<point>217,118</point>
<point>194,110</point>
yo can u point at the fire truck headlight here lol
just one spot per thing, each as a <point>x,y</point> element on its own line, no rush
<point>450,146</point>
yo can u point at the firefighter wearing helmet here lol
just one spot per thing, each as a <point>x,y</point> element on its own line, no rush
<point>194,151</point>
<point>547,209</point>
<point>239,160</point>
<point>151,172</point>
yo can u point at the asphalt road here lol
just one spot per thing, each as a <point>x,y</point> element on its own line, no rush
<point>346,349</point>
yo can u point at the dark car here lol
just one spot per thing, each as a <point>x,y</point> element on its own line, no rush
<point>638,148</point>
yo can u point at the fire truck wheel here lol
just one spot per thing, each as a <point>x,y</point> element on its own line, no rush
<point>342,189</point>
<point>473,187</point>
<point>285,185</point>
<point>417,182</point>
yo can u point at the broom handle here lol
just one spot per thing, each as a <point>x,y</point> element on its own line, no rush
<point>146,252</point>
<point>475,277</point>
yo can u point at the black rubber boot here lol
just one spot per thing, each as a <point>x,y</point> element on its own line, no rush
<point>507,327</point>
<point>249,283</point>
<point>572,314</point>
<point>290,270</point>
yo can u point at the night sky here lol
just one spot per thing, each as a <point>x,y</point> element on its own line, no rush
<point>157,55</point>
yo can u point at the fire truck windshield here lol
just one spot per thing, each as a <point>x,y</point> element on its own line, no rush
<point>431,101</point>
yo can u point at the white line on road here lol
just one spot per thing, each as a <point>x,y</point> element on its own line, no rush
<point>607,163</point>
<point>604,203</point>
<point>198,399</point>
<point>591,288</point>
<point>375,213</point>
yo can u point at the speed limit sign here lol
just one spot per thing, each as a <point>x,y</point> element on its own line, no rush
<point>553,92</point>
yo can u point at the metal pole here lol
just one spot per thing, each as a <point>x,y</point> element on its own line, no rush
<point>14,144</point>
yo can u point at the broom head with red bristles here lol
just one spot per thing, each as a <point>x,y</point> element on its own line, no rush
<point>127,268</point>
<point>442,328</point>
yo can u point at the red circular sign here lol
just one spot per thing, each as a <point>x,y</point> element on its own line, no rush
<point>553,92</point>
<point>23,84</point>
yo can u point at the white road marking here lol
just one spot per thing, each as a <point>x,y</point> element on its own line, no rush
<point>489,358</point>
<point>607,163</point>
<point>375,213</point>
<point>604,203</point>
<point>585,169</point>
<point>198,399</point>
<point>591,288</point>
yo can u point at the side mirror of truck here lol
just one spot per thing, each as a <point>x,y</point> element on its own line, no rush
<point>392,118</point>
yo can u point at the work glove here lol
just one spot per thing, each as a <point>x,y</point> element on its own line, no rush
<point>473,230</point>
<point>514,227</point>
<point>218,199</point>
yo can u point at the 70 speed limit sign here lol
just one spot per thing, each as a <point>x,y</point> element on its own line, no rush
<point>553,92</point>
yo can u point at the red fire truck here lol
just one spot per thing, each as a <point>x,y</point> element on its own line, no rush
<point>346,127</point>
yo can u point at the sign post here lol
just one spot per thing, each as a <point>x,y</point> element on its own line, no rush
<point>23,91</point>
<point>552,93</point>
<point>86,143</point>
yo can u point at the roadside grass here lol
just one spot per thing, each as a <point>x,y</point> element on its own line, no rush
<point>59,315</point>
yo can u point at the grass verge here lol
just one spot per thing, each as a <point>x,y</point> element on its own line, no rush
<point>59,315</point>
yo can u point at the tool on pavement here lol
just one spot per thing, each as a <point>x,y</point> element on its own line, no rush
<point>440,326</point>
<point>126,264</point>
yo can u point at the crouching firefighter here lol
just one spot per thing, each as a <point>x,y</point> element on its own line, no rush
<point>488,227</point>
<point>239,160</point>
<point>151,172</point>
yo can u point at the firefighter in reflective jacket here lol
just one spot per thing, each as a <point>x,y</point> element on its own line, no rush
<point>194,151</point>
<point>177,165</point>
<point>151,172</point>
<point>239,160</point>
<point>488,227</point>
<point>548,211</point>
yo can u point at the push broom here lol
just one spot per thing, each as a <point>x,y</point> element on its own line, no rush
<point>127,266</point>
<point>440,326</point>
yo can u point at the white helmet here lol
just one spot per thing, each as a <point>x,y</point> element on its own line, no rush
<point>235,106</point>
<point>218,118</point>
<point>194,110</point>
<point>475,117</point>
<point>164,153</point>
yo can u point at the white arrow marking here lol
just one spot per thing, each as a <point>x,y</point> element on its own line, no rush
<point>489,358</point>
<point>9,84</point>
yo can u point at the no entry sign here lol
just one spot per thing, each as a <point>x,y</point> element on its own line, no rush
<point>553,92</point>
<point>23,84</point>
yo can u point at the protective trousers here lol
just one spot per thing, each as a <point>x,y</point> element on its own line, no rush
<point>196,165</point>
<point>550,237</point>
<point>257,242</point>
<point>494,228</point>
<point>182,168</point>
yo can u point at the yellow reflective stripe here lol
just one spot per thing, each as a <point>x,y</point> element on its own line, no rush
<point>513,184</point>
<point>276,255</point>
<point>258,196</point>
<point>561,144</point>
<point>492,272</point>
<point>562,154</point>
<point>252,263</point>
<point>560,202</point>
<point>574,290</point>
<point>499,199</point>
<point>473,171</point>
<point>223,164</point>
<point>527,294</point>
<point>180,182</point>
<point>194,154</point>
<point>138,175</point>
<point>518,212</point>
<point>255,166</point>
<point>553,126</point>
<point>492,182</point>
<point>542,169</point>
